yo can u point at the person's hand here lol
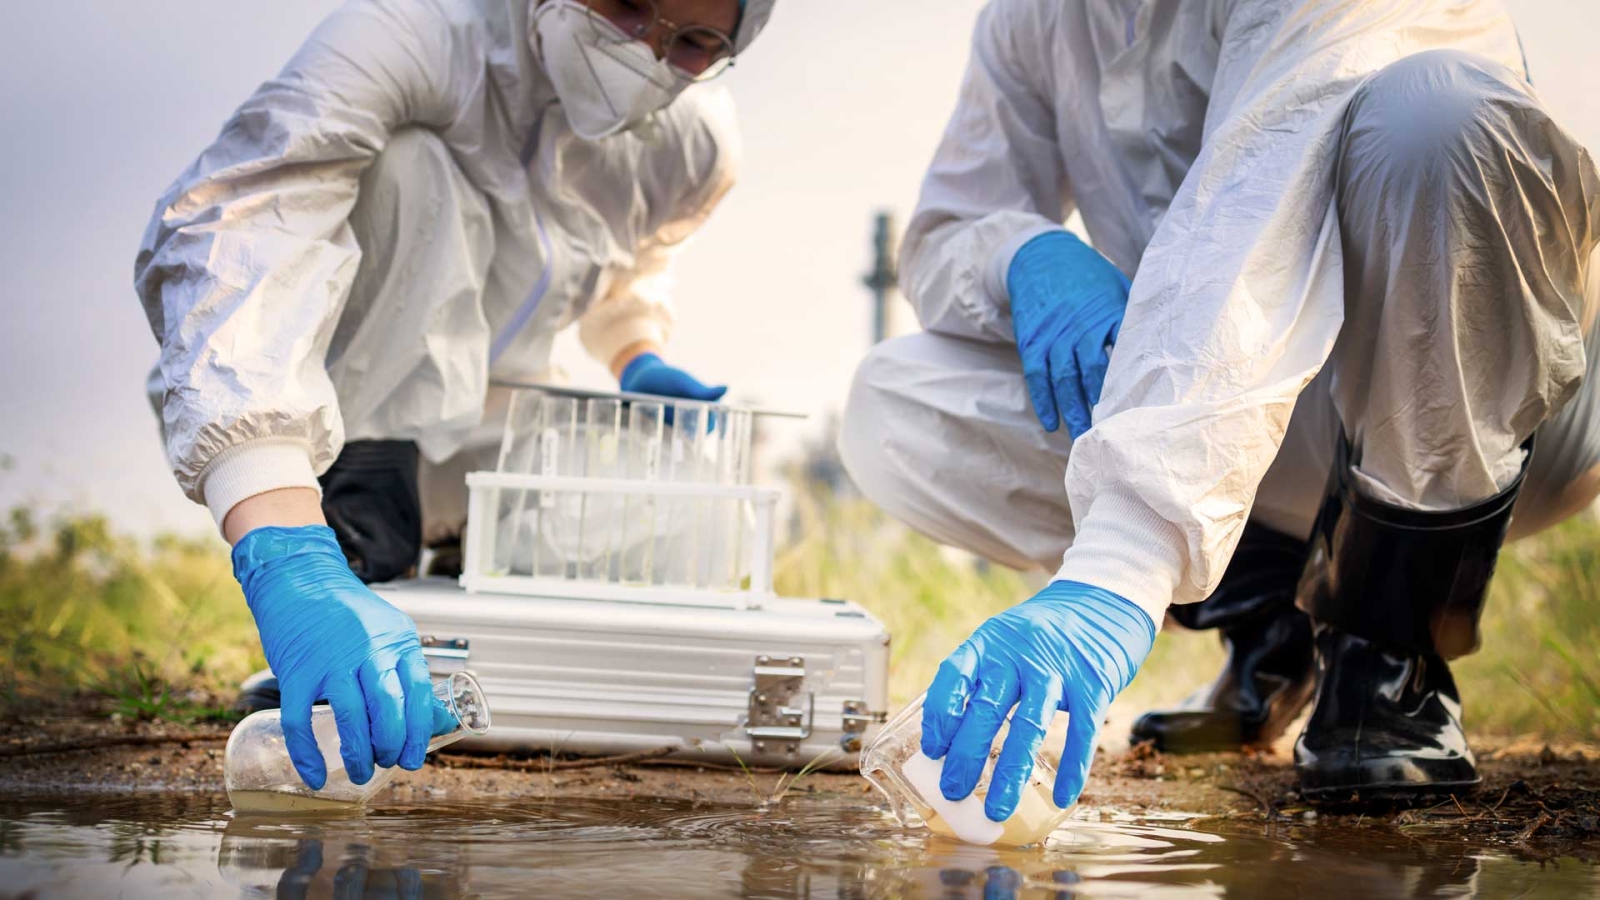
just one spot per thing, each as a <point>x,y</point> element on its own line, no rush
<point>1072,647</point>
<point>647,374</point>
<point>1067,303</point>
<point>327,636</point>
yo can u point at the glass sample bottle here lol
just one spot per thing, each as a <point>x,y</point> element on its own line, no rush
<point>896,765</point>
<point>260,777</point>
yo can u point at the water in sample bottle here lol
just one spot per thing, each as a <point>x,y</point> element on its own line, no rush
<point>260,777</point>
<point>896,765</point>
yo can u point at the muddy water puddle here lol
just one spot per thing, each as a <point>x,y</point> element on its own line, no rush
<point>153,845</point>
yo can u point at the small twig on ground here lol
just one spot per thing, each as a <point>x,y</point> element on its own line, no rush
<point>1463,809</point>
<point>1429,810</point>
<point>1538,822</point>
<point>549,764</point>
<point>119,740</point>
<point>1504,794</point>
<point>1253,794</point>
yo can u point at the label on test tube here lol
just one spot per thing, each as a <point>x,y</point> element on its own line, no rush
<point>652,460</point>
<point>549,443</point>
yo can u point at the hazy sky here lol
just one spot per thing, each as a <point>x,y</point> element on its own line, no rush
<point>103,103</point>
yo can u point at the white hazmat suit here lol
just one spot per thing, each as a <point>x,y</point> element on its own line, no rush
<point>402,214</point>
<point>1335,213</point>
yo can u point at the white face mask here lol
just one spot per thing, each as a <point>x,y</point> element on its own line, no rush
<point>598,73</point>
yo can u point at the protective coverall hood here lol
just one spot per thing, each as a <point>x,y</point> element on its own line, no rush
<point>753,17</point>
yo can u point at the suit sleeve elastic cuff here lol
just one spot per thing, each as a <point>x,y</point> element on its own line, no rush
<point>1124,547</point>
<point>994,275</point>
<point>255,467</point>
<point>606,341</point>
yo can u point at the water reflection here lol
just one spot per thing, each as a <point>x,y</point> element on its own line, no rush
<point>316,867</point>
<point>838,848</point>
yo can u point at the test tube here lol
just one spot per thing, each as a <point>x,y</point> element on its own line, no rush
<point>557,454</point>
<point>740,515</point>
<point>646,422</point>
<point>520,438</point>
<point>687,440</point>
<point>519,446</point>
<point>731,437</point>
<point>597,527</point>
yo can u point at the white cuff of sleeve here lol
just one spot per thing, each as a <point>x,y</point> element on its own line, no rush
<point>606,342</point>
<point>994,275</point>
<point>255,467</point>
<point>1124,547</point>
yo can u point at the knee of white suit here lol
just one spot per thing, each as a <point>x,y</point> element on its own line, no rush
<point>862,433</point>
<point>409,358</point>
<point>1464,276</point>
<point>408,190</point>
<point>1427,114</point>
<point>410,153</point>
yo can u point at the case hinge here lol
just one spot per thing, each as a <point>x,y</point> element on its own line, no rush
<point>780,713</point>
<point>446,656</point>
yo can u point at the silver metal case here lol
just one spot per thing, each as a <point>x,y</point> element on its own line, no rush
<point>789,683</point>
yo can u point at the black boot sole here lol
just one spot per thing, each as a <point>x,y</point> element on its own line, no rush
<point>1388,794</point>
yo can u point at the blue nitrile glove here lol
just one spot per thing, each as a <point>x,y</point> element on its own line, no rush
<point>647,374</point>
<point>1072,647</point>
<point>327,636</point>
<point>1067,303</point>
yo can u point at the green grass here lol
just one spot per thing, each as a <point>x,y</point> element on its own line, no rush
<point>158,629</point>
<point>1538,672</point>
<point>149,630</point>
<point>1539,669</point>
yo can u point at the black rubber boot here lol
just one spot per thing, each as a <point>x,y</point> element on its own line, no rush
<point>369,497</point>
<point>258,692</point>
<point>1267,677</point>
<point>1393,593</point>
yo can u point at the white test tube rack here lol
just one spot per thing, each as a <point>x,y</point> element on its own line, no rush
<point>658,524</point>
<point>481,574</point>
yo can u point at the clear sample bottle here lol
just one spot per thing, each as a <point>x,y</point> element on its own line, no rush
<point>896,765</point>
<point>261,778</point>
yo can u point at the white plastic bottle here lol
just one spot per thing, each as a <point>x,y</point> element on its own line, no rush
<point>260,777</point>
<point>896,765</point>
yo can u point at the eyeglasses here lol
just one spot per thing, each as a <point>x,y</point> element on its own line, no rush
<point>693,52</point>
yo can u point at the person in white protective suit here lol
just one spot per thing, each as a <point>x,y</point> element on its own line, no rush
<point>1352,354</point>
<point>425,195</point>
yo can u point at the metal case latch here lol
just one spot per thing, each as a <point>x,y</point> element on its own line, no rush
<point>777,720</point>
<point>854,720</point>
<point>446,656</point>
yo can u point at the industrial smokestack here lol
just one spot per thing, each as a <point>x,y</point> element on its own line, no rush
<point>883,277</point>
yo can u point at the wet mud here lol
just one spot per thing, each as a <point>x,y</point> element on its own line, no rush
<point>1541,800</point>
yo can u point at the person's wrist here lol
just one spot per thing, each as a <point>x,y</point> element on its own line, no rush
<point>261,549</point>
<point>1119,617</point>
<point>285,507</point>
<point>631,354</point>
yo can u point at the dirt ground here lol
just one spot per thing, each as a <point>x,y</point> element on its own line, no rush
<point>1546,800</point>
